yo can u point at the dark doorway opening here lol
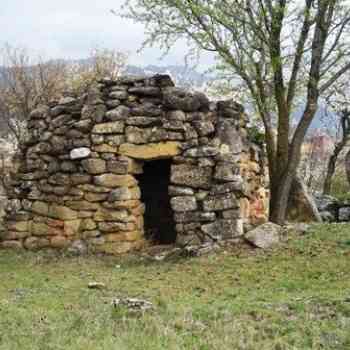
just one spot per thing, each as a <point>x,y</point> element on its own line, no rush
<point>154,183</point>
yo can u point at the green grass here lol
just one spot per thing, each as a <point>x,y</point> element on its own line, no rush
<point>294,297</point>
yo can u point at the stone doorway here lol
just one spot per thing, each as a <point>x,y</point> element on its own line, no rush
<point>158,218</point>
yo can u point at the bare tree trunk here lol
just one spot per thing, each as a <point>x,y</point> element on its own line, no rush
<point>345,128</point>
<point>278,214</point>
<point>329,176</point>
<point>331,168</point>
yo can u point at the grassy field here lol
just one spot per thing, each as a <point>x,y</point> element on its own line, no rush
<point>294,297</point>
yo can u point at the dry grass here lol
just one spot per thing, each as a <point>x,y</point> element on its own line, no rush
<point>295,297</point>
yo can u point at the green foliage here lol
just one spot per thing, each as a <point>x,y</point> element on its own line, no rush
<point>294,297</point>
<point>256,135</point>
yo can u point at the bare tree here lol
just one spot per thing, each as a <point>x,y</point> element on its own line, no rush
<point>338,148</point>
<point>25,84</point>
<point>282,51</point>
<point>100,64</point>
<point>28,81</point>
<point>337,122</point>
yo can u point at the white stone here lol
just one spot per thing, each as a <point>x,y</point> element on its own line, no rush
<point>264,236</point>
<point>80,153</point>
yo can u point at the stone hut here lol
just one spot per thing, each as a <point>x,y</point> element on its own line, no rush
<point>134,161</point>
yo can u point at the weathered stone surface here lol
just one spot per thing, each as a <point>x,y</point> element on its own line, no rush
<point>145,91</point>
<point>204,128</point>
<point>19,226</point>
<point>179,99</point>
<point>94,112</point>
<point>184,203</point>
<point>180,191</point>
<point>62,212</point>
<point>114,140</point>
<point>301,205</point>
<point>226,172</point>
<point>59,242</point>
<point>124,166</point>
<point>124,193</point>
<point>177,115</point>
<point>91,234</point>
<point>229,136</point>
<point>119,113</point>
<point>82,205</point>
<point>68,167</point>
<point>40,112</point>
<point>225,229</point>
<point>95,197</point>
<point>191,176</point>
<point>94,166</point>
<point>64,101</point>
<point>88,225</point>
<point>109,128</point>
<point>143,121</point>
<point>116,226</point>
<point>151,150</point>
<point>344,214</point>
<point>94,189</point>
<point>41,229</point>
<point>119,95</point>
<point>194,217</point>
<point>72,227</point>
<point>80,179</point>
<point>203,151</point>
<point>236,185</point>
<point>34,243</point>
<point>220,202</point>
<point>114,180</point>
<point>80,153</point>
<point>105,148</point>
<point>232,214</point>
<point>83,125</point>
<point>13,235</point>
<point>112,215</point>
<point>40,208</point>
<point>264,236</point>
<point>137,135</point>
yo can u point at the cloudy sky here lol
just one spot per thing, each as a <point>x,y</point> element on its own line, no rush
<point>70,28</point>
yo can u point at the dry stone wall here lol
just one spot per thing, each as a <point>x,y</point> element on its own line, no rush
<point>77,184</point>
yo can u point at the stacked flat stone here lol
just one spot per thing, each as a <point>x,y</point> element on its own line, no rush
<point>77,183</point>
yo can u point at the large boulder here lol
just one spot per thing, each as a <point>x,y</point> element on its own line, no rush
<point>328,207</point>
<point>301,204</point>
<point>264,236</point>
<point>180,99</point>
<point>344,214</point>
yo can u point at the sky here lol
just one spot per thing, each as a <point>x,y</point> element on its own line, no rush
<point>71,28</point>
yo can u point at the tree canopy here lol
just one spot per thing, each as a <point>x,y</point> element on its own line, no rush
<point>282,52</point>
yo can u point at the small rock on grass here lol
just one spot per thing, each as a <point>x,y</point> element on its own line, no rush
<point>300,228</point>
<point>133,304</point>
<point>96,285</point>
<point>264,236</point>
